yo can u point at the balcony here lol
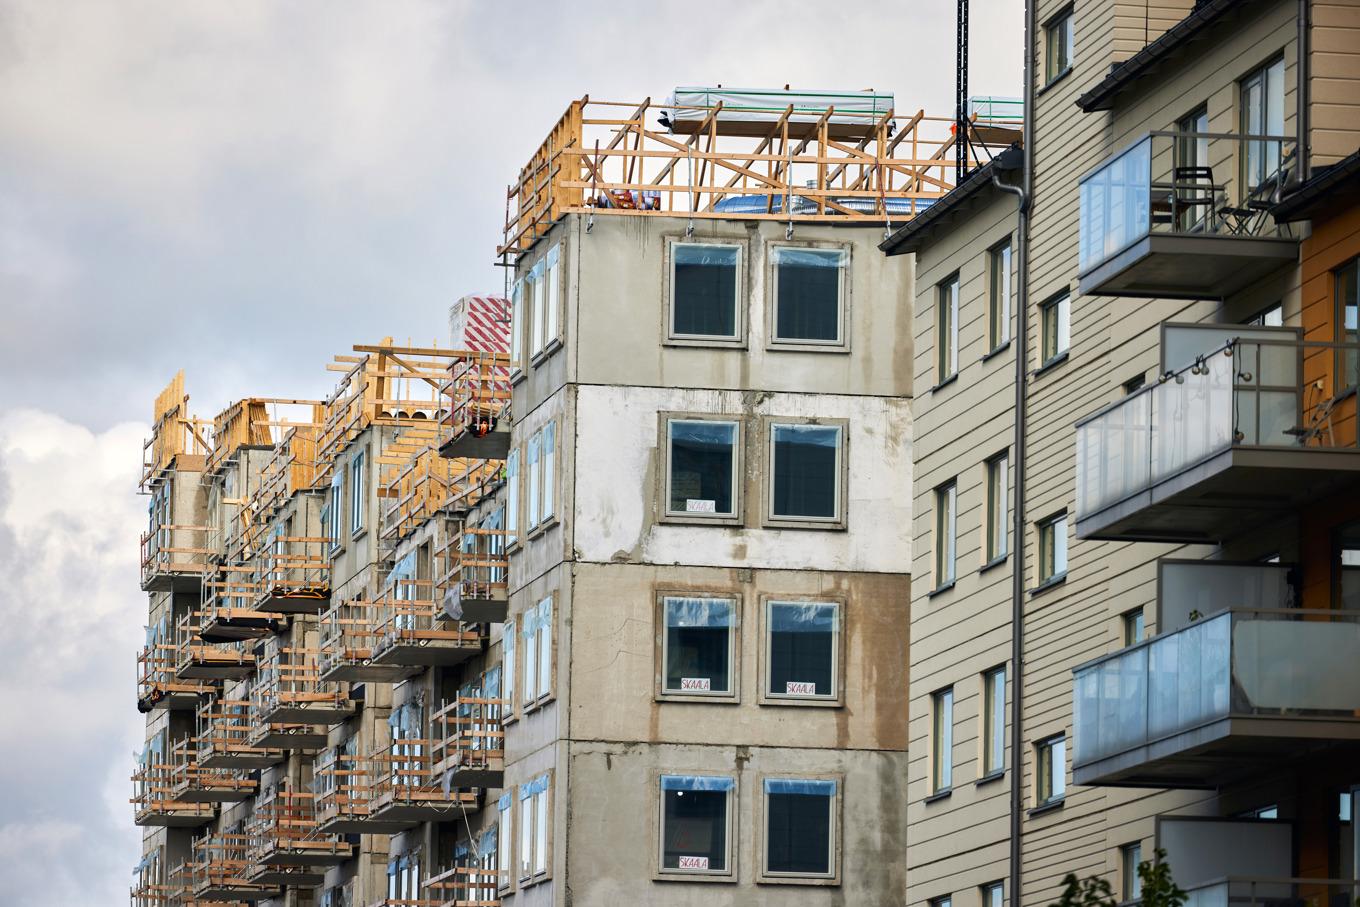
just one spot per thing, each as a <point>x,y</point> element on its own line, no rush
<point>157,685</point>
<point>192,782</point>
<point>410,631</point>
<point>476,569</point>
<point>174,557</point>
<point>288,689</point>
<point>1266,891</point>
<point>1216,447</point>
<point>150,885</point>
<point>1228,694</point>
<point>344,795</point>
<point>406,788</point>
<point>286,847</point>
<point>217,872</point>
<point>153,799</point>
<point>348,636</point>
<point>223,740</point>
<point>1184,215</point>
<point>198,659</point>
<point>227,612</point>
<point>294,574</point>
<point>471,741</point>
<point>466,884</point>
<point>475,426</point>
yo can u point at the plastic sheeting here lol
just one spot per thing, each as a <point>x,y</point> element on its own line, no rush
<point>536,786</point>
<point>803,617</point>
<point>860,108</point>
<point>698,612</point>
<point>808,787</point>
<point>696,782</point>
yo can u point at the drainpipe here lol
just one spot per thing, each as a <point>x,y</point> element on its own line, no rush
<point>1023,194</point>
<point>1303,69</point>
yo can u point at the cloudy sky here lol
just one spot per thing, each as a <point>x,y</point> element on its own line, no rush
<point>243,190</point>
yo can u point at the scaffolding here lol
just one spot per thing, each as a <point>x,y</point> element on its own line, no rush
<point>288,689</point>
<point>421,484</point>
<point>473,569</point>
<point>793,161</point>
<point>151,883</point>
<point>409,629</point>
<point>192,782</point>
<point>217,871</point>
<point>469,735</point>
<point>153,790</point>
<point>224,736</point>
<point>286,847</point>
<point>473,880</point>
<point>157,683</point>
<point>179,441</point>
<point>476,423</point>
<point>199,659</point>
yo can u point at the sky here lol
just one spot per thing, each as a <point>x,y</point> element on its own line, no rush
<point>243,190</point>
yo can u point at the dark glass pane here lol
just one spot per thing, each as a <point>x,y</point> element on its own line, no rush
<point>802,645</point>
<point>809,282</point>
<point>701,467</point>
<point>805,470</point>
<point>697,640</point>
<point>798,833</point>
<point>705,290</point>
<point>695,830</point>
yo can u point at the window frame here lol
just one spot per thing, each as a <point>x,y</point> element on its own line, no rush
<point>835,831</point>
<point>1260,74</point>
<point>664,514</point>
<point>512,498</point>
<point>766,661</point>
<point>947,293</point>
<point>547,490</point>
<point>336,512</point>
<point>551,329</point>
<point>662,658</point>
<point>991,743</point>
<point>941,773</point>
<point>518,336</point>
<point>741,302</point>
<point>946,511</point>
<point>506,830</point>
<point>1127,621</point>
<point>537,829</point>
<point>1340,368</point>
<point>536,283</point>
<point>997,470</point>
<point>543,641</point>
<point>1130,884</point>
<point>1046,773</point>
<point>1060,304</point>
<point>358,482</point>
<point>733,821</point>
<point>509,667</point>
<point>986,890</point>
<point>1000,294</point>
<point>773,340</point>
<point>768,425</point>
<point>534,477</point>
<point>1059,544</point>
<point>1061,23</point>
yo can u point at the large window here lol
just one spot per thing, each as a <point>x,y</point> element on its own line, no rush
<point>701,476</point>
<point>809,291</point>
<point>705,289</point>
<point>542,469</point>
<point>1053,548</point>
<point>1050,770</point>
<point>946,538</point>
<point>947,330</point>
<point>505,838</point>
<point>696,823</point>
<point>1262,108</point>
<point>335,510</point>
<point>698,646</point>
<point>357,493</point>
<point>999,296</point>
<point>998,507</point>
<point>552,284</point>
<point>1058,45</point>
<point>1055,317</point>
<point>800,827</point>
<point>538,293</point>
<point>538,652</point>
<point>802,645</point>
<point>993,895</point>
<point>1347,278</point>
<point>1131,885</point>
<point>534,477</point>
<point>994,722</point>
<point>942,740</point>
<point>534,828</point>
<point>512,497</point>
<point>805,466</point>
<point>1193,174</point>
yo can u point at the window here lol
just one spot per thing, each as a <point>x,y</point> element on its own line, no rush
<point>357,495</point>
<point>1133,626</point>
<point>1058,46</point>
<point>947,330</point>
<point>1192,173</point>
<point>705,278</point>
<point>701,467</point>
<point>335,511</point>
<point>1051,770</point>
<point>698,647</point>
<point>993,895</point>
<point>526,832</point>
<point>942,740</point>
<point>1053,548</point>
<point>552,290</point>
<point>548,466</point>
<point>534,827</point>
<point>1347,279</point>
<point>809,286</point>
<point>1055,320</point>
<point>512,497</point>
<point>1135,384</point>
<point>540,798</point>
<point>943,900</point>
<point>998,507</point>
<point>1262,109</point>
<point>805,468</point>
<point>538,293</point>
<point>800,827</point>
<point>946,547</point>
<point>505,836</point>
<point>994,722</point>
<point>802,643</point>
<point>403,877</point>
<point>1270,811</point>
<point>508,669</point>
<point>1131,886</point>
<point>537,652</point>
<point>534,477</point>
<point>1272,317</point>
<point>517,325</point>
<point>999,298</point>
<point>696,817</point>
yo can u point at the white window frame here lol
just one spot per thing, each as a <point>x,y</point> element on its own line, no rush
<point>729,872</point>
<point>547,502</point>
<point>839,519</point>
<point>992,736</point>
<point>833,833</point>
<point>512,497</point>
<point>538,297</point>
<point>538,655</point>
<point>335,517</point>
<point>509,686</point>
<point>552,290</point>
<point>535,477</point>
<point>842,341</point>
<point>517,333</point>
<point>733,642</point>
<point>946,546</point>
<point>738,337</point>
<point>1053,535</point>
<point>734,517</point>
<point>505,840</point>
<point>1000,294</point>
<point>1056,770</point>
<point>947,329</point>
<point>357,497</point>
<point>535,830</point>
<point>836,696</point>
<point>941,741</point>
<point>1060,304</point>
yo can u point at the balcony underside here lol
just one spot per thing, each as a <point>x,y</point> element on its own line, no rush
<point>173,581</point>
<point>367,671</point>
<point>1226,495</point>
<point>278,876</point>
<point>215,794</point>
<point>188,817</point>
<point>237,625</point>
<point>232,891</point>
<point>426,653</point>
<point>293,601</point>
<point>317,713</point>
<point>307,853</point>
<point>354,824</point>
<point>1220,753</point>
<point>245,757</point>
<point>1189,266</point>
<point>476,610</point>
<point>494,445</point>
<point>297,738</point>
<point>489,775</point>
<point>174,697</point>
<point>203,669</point>
<point>418,808</point>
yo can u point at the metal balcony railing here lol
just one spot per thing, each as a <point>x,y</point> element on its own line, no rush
<point>284,832</point>
<point>157,684</point>
<point>198,659</point>
<point>173,552</point>
<point>467,883</point>
<point>409,629</point>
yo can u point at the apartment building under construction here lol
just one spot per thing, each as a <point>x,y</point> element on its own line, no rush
<point>606,601</point>
<point>1136,475</point>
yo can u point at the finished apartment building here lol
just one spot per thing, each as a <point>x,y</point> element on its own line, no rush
<point>607,600</point>
<point>1136,474</point>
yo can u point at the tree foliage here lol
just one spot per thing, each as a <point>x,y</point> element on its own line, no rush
<point>1158,888</point>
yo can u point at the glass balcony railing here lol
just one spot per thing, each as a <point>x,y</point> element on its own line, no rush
<point>1247,394</point>
<point>1272,892</point>
<point>1276,666</point>
<point>1180,184</point>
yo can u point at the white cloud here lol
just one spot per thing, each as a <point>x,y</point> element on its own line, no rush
<point>72,611</point>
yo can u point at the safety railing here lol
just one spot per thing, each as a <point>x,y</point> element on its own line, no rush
<point>285,830</point>
<point>224,736</point>
<point>474,572</point>
<point>409,628</point>
<point>288,688</point>
<point>150,881</point>
<point>218,869</point>
<point>170,552</point>
<point>478,393</point>
<point>343,785</point>
<point>348,633</point>
<point>404,778</point>
<point>191,781</point>
<point>293,573</point>
<point>467,883</point>
<point>1247,891</point>
<point>177,437</point>
<point>153,790</point>
<point>199,659</point>
<point>157,683</point>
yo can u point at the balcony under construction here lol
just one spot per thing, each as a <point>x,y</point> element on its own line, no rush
<point>476,424</point>
<point>288,689</point>
<point>153,799</point>
<point>218,870</point>
<point>158,685</point>
<point>286,846</point>
<point>193,782</point>
<point>470,739</point>
<point>224,735</point>
<point>174,548</point>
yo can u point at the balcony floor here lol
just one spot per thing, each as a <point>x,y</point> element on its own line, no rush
<point>324,714</point>
<point>426,653</point>
<point>1226,495</point>
<point>476,610</point>
<point>304,738</point>
<point>277,876</point>
<point>295,602</point>
<point>494,445</point>
<point>1189,266</point>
